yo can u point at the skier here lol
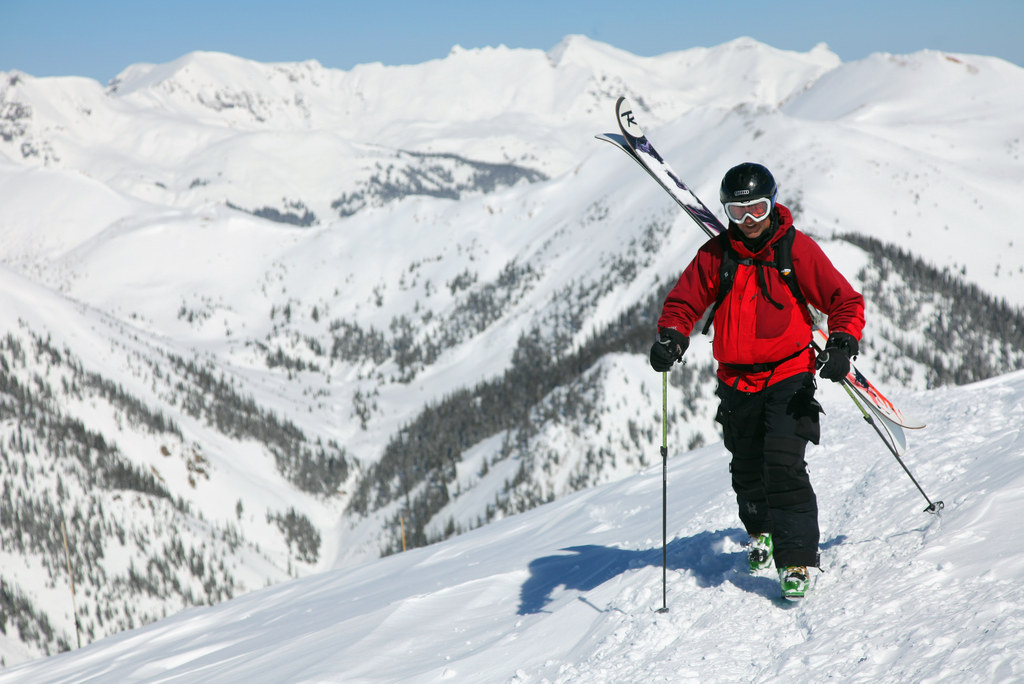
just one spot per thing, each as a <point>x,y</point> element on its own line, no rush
<point>766,365</point>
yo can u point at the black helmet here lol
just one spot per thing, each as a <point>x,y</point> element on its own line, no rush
<point>748,181</point>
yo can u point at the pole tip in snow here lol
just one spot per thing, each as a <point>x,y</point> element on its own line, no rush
<point>661,610</point>
<point>935,507</point>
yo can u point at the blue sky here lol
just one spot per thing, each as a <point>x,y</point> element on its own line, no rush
<point>99,38</point>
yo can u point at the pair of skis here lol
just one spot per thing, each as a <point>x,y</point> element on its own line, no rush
<point>886,419</point>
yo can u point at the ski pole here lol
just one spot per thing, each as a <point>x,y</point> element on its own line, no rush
<point>664,493</point>
<point>933,507</point>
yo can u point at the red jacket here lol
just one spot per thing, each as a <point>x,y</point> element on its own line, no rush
<point>748,328</point>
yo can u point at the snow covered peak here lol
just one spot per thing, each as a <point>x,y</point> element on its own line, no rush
<point>192,72</point>
<point>556,53</point>
<point>822,48</point>
<point>913,88</point>
<point>757,67</point>
<point>240,92</point>
<point>202,69</point>
<point>579,49</point>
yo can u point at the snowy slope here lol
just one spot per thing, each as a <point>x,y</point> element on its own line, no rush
<point>567,592</point>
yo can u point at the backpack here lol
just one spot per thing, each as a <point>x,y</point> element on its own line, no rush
<point>783,252</point>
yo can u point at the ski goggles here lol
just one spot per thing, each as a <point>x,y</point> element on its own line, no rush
<point>757,209</point>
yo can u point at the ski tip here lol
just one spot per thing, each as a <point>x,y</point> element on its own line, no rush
<point>627,118</point>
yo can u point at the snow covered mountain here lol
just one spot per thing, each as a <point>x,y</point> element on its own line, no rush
<point>260,319</point>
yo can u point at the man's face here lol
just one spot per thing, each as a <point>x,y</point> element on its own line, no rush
<point>752,229</point>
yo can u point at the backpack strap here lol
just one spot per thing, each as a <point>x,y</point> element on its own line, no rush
<point>726,276</point>
<point>784,264</point>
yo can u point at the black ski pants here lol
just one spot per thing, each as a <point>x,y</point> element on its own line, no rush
<point>767,433</point>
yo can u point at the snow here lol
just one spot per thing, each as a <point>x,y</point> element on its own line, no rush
<point>568,592</point>
<point>147,171</point>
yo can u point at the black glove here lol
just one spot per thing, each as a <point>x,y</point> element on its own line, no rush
<point>834,361</point>
<point>668,348</point>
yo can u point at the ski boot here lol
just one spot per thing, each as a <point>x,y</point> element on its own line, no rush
<point>759,552</point>
<point>794,581</point>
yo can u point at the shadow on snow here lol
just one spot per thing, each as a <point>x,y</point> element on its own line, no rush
<point>702,556</point>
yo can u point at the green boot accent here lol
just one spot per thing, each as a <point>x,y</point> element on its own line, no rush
<point>794,580</point>
<point>759,553</point>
